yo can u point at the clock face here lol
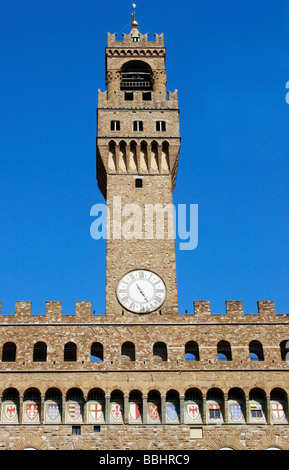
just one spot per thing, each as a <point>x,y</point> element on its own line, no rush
<point>141,291</point>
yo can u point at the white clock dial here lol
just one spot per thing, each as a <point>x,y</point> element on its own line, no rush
<point>141,291</point>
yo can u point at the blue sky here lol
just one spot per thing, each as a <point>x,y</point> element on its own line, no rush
<point>229,62</point>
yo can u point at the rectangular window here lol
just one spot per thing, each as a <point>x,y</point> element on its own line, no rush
<point>115,125</point>
<point>76,430</point>
<point>138,126</point>
<point>256,412</point>
<point>138,183</point>
<point>161,126</point>
<point>147,96</point>
<point>96,429</point>
<point>128,96</point>
<point>214,414</point>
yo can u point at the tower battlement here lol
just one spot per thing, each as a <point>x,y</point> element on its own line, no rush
<point>126,40</point>
<point>170,101</point>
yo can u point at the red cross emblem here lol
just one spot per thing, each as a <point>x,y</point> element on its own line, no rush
<point>96,411</point>
<point>278,411</point>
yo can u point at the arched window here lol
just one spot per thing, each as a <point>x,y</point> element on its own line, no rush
<point>39,352</point>
<point>160,352</point>
<point>10,406</point>
<point>112,156</point>
<point>236,404</point>
<point>193,406</point>
<point>224,351</point>
<point>215,405</point>
<point>256,351</point>
<point>172,407</point>
<point>53,406</point>
<point>136,75</point>
<point>135,407</point>
<point>31,406</point>
<point>128,351</point>
<point>96,354</point>
<point>192,351</point>
<point>75,406</point>
<point>9,352</point>
<point>278,406</point>
<point>116,407</point>
<point>257,402</point>
<point>96,406</point>
<point>154,407</point>
<point>284,349</point>
<point>70,352</point>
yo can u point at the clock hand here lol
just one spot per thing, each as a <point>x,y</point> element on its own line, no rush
<point>141,292</point>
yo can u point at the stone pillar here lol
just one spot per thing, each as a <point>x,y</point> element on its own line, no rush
<point>107,408</point>
<point>268,410</point>
<point>163,409</point>
<point>144,409</point>
<point>247,411</point>
<point>182,409</point>
<point>20,410</point>
<point>205,410</point>
<point>226,409</point>
<point>126,409</point>
<point>63,410</point>
<point>41,411</point>
<point>85,410</point>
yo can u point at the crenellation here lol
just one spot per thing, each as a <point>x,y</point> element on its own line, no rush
<point>23,310</point>
<point>202,310</point>
<point>234,309</point>
<point>83,311</point>
<point>266,309</point>
<point>53,311</point>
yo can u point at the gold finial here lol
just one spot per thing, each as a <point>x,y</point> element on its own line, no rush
<point>134,23</point>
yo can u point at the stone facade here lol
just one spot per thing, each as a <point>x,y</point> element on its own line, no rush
<point>157,381</point>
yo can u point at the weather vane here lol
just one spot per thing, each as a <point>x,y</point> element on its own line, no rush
<point>134,7</point>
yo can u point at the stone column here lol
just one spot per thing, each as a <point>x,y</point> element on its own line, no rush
<point>126,409</point>
<point>63,410</point>
<point>20,410</point>
<point>107,408</point>
<point>182,409</point>
<point>163,409</point>
<point>247,411</point>
<point>205,410</point>
<point>41,411</point>
<point>226,409</point>
<point>144,409</point>
<point>268,410</point>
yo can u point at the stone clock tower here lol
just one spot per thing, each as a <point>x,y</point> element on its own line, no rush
<point>138,143</point>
